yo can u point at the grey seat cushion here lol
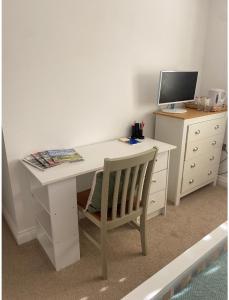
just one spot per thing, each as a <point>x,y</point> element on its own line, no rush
<point>94,199</point>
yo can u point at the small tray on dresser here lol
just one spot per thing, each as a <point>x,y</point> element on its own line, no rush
<point>213,108</point>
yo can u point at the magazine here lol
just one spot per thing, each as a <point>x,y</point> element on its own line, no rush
<point>48,158</point>
<point>41,160</point>
<point>33,162</point>
<point>64,155</point>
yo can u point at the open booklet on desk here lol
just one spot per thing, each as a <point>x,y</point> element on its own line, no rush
<point>50,158</point>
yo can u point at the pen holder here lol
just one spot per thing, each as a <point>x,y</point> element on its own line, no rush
<point>141,136</point>
<point>137,132</point>
<point>133,132</point>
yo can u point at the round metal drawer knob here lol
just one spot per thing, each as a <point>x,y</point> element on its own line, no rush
<point>210,172</point>
<point>213,143</point>
<point>191,181</point>
<point>212,158</point>
<point>217,126</point>
<point>197,132</point>
<point>193,165</point>
<point>195,149</point>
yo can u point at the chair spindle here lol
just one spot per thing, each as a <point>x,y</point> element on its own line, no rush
<point>116,194</point>
<point>124,191</point>
<point>141,181</point>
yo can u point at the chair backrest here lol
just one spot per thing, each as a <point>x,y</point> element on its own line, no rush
<point>131,187</point>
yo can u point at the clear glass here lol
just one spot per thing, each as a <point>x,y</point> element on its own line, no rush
<point>207,106</point>
<point>200,103</point>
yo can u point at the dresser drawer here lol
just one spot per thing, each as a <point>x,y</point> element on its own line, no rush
<point>161,162</point>
<point>206,129</point>
<point>202,147</point>
<point>158,182</point>
<point>156,201</point>
<point>197,164</point>
<point>190,181</point>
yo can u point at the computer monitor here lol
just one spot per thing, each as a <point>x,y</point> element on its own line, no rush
<point>176,87</point>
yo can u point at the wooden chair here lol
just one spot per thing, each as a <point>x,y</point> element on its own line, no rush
<point>127,206</point>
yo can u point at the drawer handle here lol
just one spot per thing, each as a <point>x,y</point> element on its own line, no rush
<point>195,149</point>
<point>191,181</point>
<point>193,165</point>
<point>210,172</point>
<point>156,159</point>
<point>213,143</point>
<point>197,132</point>
<point>154,180</point>
<point>217,126</point>
<point>212,158</point>
<point>153,201</point>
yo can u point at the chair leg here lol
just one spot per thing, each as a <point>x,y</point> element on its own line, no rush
<point>143,234</point>
<point>104,253</point>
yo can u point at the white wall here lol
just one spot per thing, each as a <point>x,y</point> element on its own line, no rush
<point>215,58</point>
<point>79,71</point>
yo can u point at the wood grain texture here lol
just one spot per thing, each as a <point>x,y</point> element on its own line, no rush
<point>190,114</point>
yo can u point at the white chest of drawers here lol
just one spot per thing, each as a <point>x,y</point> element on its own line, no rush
<point>199,137</point>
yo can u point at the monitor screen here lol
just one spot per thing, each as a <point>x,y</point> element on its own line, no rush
<point>177,86</point>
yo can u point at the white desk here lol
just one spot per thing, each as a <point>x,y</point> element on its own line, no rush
<point>55,193</point>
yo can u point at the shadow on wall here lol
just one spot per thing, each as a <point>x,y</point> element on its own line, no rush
<point>146,89</point>
<point>145,86</point>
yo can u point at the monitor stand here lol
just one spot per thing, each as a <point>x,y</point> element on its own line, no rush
<point>174,110</point>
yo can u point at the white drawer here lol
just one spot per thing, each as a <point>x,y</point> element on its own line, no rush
<point>197,164</point>
<point>191,181</point>
<point>156,201</point>
<point>202,147</point>
<point>206,129</point>
<point>161,162</point>
<point>158,182</point>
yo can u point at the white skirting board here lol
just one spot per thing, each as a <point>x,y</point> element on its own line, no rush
<point>22,236</point>
<point>222,180</point>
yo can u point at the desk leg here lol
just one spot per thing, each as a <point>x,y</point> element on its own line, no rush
<point>55,208</point>
<point>64,222</point>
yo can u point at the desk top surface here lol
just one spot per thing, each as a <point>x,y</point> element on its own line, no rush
<point>94,155</point>
<point>190,114</point>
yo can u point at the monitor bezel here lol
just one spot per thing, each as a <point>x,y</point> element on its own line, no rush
<point>159,89</point>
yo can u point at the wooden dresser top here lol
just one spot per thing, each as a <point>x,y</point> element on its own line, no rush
<point>190,114</point>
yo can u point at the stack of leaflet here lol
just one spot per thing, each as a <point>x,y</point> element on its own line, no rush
<point>50,158</point>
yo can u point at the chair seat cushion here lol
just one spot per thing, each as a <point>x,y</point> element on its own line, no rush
<point>82,199</point>
<point>93,195</point>
<point>90,200</point>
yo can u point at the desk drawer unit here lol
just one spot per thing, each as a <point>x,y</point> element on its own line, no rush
<point>161,162</point>
<point>158,182</point>
<point>158,187</point>
<point>156,201</point>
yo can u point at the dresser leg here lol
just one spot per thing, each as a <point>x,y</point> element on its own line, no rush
<point>214,182</point>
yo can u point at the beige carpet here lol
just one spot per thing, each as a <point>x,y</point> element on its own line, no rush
<point>28,274</point>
